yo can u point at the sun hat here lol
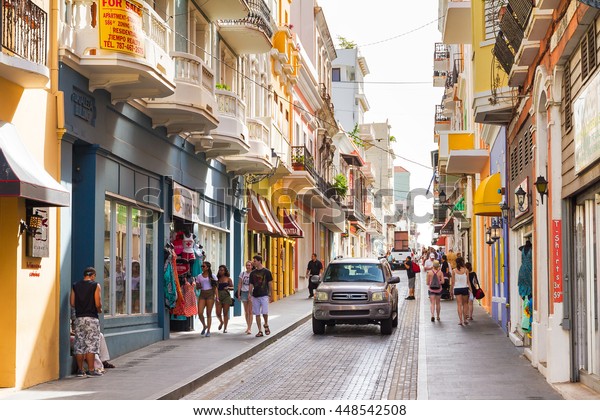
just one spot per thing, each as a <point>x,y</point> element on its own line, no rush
<point>432,255</point>
<point>436,263</point>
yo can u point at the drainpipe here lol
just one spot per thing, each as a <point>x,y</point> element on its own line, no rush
<point>63,312</point>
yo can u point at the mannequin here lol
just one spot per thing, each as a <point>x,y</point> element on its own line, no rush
<point>524,283</point>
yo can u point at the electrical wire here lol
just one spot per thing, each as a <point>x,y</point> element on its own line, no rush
<point>285,100</point>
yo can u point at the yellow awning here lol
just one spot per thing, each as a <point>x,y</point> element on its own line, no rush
<point>487,198</point>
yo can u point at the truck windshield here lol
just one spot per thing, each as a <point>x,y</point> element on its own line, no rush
<point>354,272</point>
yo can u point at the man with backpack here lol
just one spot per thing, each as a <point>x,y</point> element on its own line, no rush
<point>410,272</point>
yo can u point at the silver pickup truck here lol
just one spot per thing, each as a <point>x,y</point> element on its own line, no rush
<point>356,291</point>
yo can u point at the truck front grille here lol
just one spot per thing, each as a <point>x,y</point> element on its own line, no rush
<point>340,296</point>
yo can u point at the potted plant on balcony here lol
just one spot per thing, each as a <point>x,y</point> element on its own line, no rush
<point>340,185</point>
<point>222,86</point>
<point>298,162</point>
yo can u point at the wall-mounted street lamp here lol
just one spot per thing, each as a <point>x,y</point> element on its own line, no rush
<point>442,196</point>
<point>505,208</point>
<point>496,230</point>
<point>521,194</point>
<point>541,185</point>
<point>488,236</point>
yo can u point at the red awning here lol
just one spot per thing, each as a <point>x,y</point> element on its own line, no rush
<point>290,226</point>
<point>272,218</point>
<point>441,241</point>
<point>260,219</point>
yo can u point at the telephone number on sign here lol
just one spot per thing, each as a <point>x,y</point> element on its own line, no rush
<point>374,410</point>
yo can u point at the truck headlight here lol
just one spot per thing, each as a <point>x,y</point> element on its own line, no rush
<point>321,296</point>
<point>377,297</point>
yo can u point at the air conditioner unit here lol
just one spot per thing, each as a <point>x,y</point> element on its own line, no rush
<point>464,224</point>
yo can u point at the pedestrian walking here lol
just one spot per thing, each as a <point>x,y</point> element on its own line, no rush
<point>447,293</point>
<point>224,301</point>
<point>435,280</point>
<point>428,264</point>
<point>408,264</point>
<point>86,299</point>
<point>461,286</point>
<point>242,294</point>
<point>206,281</point>
<point>314,268</point>
<point>474,283</point>
<point>260,289</point>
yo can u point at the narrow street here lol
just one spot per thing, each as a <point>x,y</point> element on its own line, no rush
<point>348,362</point>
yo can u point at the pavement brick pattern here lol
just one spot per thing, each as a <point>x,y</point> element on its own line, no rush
<point>348,362</point>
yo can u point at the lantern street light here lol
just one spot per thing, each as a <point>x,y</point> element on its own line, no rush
<point>541,185</point>
<point>520,193</point>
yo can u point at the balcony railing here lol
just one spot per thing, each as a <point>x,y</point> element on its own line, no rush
<point>231,105</point>
<point>24,30</point>
<point>441,52</point>
<point>259,17</point>
<point>190,68</point>
<point>439,114</point>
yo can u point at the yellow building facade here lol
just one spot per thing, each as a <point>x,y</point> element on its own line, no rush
<point>30,130</point>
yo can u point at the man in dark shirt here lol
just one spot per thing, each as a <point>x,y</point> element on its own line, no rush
<point>315,268</point>
<point>85,298</point>
<point>260,289</point>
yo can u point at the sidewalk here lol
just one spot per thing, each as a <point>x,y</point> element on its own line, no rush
<point>473,362</point>
<point>172,368</point>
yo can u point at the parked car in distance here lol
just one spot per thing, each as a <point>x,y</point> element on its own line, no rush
<point>398,258</point>
<point>356,291</point>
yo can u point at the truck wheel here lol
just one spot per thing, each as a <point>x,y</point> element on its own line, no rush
<point>386,326</point>
<point>318,326</point>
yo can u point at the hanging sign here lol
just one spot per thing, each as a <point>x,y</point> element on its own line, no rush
<point>556,260</point>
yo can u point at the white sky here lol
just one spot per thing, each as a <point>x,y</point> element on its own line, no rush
<point>401,57</point>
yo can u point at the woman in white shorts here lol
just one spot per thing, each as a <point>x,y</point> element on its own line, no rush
<point>242,292</point>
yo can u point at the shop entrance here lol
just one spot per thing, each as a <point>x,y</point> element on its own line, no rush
<point>586,296</point>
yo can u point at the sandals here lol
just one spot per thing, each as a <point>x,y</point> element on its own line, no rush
<point>267,330</point>
<point>260,334</point>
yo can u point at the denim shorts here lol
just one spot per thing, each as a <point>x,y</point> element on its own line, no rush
<point>464,291</point>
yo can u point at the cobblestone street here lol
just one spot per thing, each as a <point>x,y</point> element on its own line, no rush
<point>348,362</point>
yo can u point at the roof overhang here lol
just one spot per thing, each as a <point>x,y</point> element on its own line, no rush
<point>467,161</point>
<point>22,176</point>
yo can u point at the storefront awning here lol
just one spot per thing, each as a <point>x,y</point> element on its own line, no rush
<point>260,219</point>
<point>291,228</point>
<point>352,159</point>
<point>487,198</point>
<point>22,176</point>
<point>448,228</point>
<point>332,217</point>
<point>441,241</point>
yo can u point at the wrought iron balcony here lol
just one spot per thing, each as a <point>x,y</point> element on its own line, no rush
<point>251,34</point>
<point>24,29</point>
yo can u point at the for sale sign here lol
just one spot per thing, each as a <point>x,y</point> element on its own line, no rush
<point>121,26</point>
